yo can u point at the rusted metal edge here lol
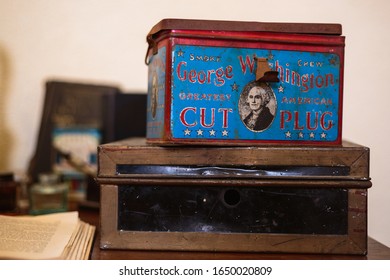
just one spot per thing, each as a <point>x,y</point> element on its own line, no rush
<point>320,183</point>
<point>250,26</point>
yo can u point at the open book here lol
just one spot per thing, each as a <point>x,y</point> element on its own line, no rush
<point>54,236</point>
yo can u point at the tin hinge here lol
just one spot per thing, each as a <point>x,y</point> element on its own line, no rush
<point>152,45</point>
<point>264,74</point>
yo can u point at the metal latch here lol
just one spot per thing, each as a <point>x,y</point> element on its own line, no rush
<point>264,74</point>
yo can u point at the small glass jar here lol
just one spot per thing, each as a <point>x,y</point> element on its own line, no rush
<point>49,195</point>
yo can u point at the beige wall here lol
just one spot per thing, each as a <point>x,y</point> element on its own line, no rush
<point>104,41</point>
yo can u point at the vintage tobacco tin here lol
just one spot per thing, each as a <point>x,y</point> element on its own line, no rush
<point>216,82</point>
<point>252,199</point>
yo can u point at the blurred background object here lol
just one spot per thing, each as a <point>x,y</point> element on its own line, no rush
<point>76,118</point>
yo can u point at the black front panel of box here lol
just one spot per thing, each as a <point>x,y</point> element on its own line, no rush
<point>233,209</point>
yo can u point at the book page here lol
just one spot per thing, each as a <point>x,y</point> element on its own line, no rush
<point>36,237</point>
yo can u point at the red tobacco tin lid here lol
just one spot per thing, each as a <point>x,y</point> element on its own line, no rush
<point>242,26</point>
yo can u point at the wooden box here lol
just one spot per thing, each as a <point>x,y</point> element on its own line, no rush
<point>252,199</point>
<point>244,83</point>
